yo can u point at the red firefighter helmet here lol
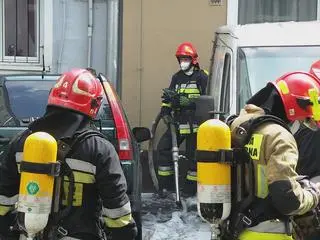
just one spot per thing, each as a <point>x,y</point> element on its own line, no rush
<point>315,69</point>
<point>299,92</point>
<point>187,49</point>
<point>77,90</point>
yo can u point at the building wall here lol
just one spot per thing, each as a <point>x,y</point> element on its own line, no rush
<point>152,29</point>
<point>70,31</point>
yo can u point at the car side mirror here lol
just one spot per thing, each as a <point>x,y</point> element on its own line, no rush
<point>141,134</point>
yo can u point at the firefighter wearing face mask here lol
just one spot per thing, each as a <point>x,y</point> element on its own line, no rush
<point>279,191</point>
<point>189,83</point>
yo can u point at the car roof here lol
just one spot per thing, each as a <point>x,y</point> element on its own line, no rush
<point>275,34</point>
<point>26,77</point>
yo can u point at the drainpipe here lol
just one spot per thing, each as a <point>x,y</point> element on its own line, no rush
<point>90,28</point>
<point>112,66</point>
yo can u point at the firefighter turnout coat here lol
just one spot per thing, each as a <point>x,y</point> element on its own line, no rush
<point>274,153</point>
<point>100,189</point>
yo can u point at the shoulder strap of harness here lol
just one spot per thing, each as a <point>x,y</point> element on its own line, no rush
<point>65,150</point>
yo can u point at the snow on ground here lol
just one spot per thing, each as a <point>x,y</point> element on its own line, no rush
<point>159,224</point>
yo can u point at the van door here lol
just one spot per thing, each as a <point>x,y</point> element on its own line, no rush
<point>219,82</point>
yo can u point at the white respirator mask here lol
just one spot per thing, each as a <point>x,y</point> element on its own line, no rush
<point>185,65</point>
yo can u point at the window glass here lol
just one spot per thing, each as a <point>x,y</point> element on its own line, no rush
<point>258,11</point>
<point>259,65</point>
<point>225,96</point>
<point>23,100</point>
<point>20,28</point>
<point>217,65</point>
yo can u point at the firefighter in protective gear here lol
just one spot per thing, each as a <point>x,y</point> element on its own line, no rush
<point>189,83</point>
<point>279,191</point>
<point>308,164</point>
<point>307,141</point>
<point>100,185</point>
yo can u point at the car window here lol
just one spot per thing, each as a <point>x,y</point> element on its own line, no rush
<point>22,100</point>
<point>104,112</point>
<point>27,100</point>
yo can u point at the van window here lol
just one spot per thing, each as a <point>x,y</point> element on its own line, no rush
<point>225,94</point>
<point>215,86</point>
<point>259,65</point>
<point>244,88</point>
<point>259,11</point>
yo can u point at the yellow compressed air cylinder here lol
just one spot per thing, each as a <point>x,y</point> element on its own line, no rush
<point>214,177</point>
<point>36,189</point>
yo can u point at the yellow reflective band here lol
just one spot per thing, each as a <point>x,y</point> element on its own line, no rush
<point>187,131</point>
<point>165,173</point>
<point>262,188</point>
<point>191,178</point>
<point>246,235</point>
<point>184,131</point>
<point>77,196</point>
<point>283,87</point>
<point>166,104</point>
<point>119,222</point>
<point>5,209</point>
<point>314,98</point>
<point>206,72</point>
<point>188,90</point>
<point>254,146</point>
<point>82,177</point>
<point>195,95</point>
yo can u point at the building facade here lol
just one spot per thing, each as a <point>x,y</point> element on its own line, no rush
<point>56,35</point>
<point>132,41</point>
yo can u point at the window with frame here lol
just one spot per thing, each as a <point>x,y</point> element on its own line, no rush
<point>225,94</point>
<point>243,86</point>
<point>20,31</point>
<point>259,11</point>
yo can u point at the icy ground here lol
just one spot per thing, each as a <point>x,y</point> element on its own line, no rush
<point>159,224</point>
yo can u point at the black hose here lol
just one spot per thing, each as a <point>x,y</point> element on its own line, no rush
<point>151,150</point>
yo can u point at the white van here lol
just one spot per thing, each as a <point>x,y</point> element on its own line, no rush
<point>246,57</point>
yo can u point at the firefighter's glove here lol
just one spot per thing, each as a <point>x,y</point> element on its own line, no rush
<point>165,111</point>
<point>313,188</point>
<point>169,95</point>
<point>184,101</point>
